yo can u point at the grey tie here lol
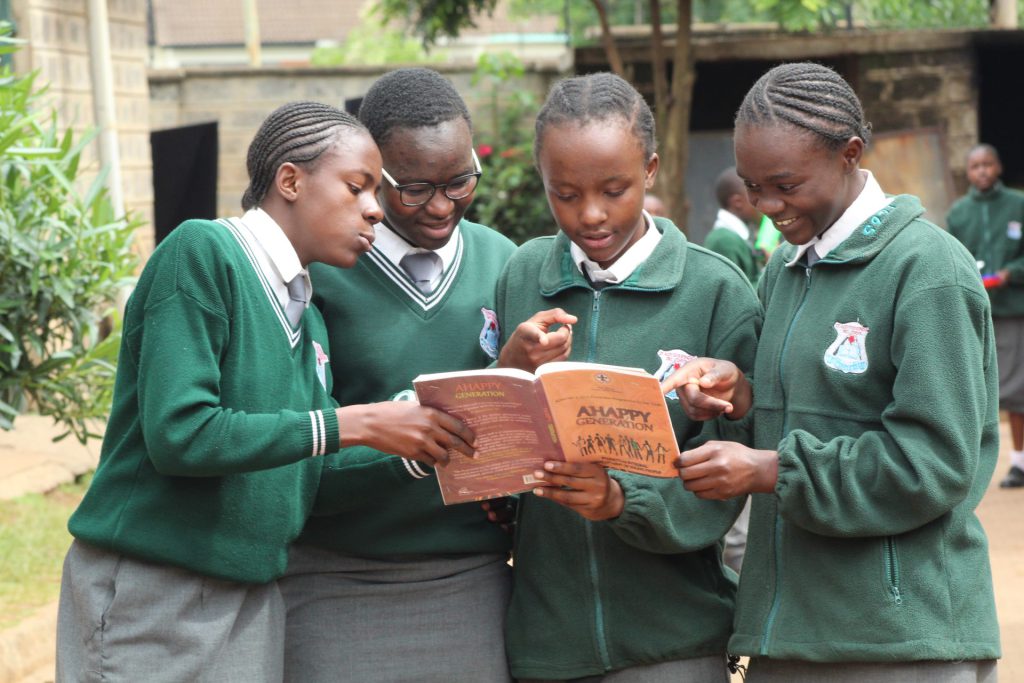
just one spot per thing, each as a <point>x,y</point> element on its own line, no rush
<point>812,257</point>
<point>296,299</point>
<point>422,267</point>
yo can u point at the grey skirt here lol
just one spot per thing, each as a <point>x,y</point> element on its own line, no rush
<point>423,619</point>
<point>1010,351</point>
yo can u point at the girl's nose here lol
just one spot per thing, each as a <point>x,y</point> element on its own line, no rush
<point>593,214</point>
<point>768,205</point>
<point>372,211</point>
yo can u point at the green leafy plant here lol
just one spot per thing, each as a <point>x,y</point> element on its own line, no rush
<point>65,258</point>
<point>511,196</point>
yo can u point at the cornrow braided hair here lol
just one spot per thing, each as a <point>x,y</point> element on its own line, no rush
<point>809,96</point>
<point>297,132</point>
<point>410,98</point>
<point>596,97</point>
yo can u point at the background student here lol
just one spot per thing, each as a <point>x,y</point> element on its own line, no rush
<point>875,414</point>
<point>730,235</point>
<point>988,220</point>
<point>388,584</point>
<point>221,409</point>
<point>618,577</point>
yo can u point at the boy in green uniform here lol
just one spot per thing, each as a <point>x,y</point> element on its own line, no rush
<point>730,236</point>
<point>988,221</point>
<point>874,412</point>
<point>618,575</point>
<point>221,410</point>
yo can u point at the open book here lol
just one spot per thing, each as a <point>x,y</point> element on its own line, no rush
<point>567,411</point>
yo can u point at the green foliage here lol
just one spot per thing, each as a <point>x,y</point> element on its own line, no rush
<point>64,259</point>
<point>510,197</point>
<point>33,541</point>
<point>432,19</point>
<point>374,43</point>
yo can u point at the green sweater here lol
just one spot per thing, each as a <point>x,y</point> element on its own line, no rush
<point>217,409</point>
<point>648,586</point>
<point>876,383</point>
<point>733,247</point>
<point>989,224</point>
<point>378,505</point>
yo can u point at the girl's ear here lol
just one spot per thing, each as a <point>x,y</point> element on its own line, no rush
<point>651,171</point>
<point>286,181</point>
<point>852,153</point>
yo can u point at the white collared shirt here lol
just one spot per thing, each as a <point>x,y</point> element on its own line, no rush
<point>274,253</point>
<point>394,247</point>
<point>731,221</point>
<point>870,200</point>
<point>624,266</point>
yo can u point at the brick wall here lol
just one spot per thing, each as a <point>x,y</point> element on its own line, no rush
<point>57,32</point>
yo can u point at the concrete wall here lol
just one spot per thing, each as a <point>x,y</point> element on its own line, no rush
<point>239,99</point>
<point>57,32</point>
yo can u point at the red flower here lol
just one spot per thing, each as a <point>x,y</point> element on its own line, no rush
<point>484,151</point>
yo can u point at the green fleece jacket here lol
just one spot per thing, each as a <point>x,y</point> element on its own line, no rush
<point>373,504</point>
<point>876,383</point>
<point>648,586</point>
<point>219,405</point>
<point>733,247</point>
<point>989,224</point>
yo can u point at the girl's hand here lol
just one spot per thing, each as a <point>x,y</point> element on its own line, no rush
<point>533,344</point>
<point>583,487</point>
<point>708,387</point>
<point>723,469</point>
<point>405,429</point>
<point>501,511</point>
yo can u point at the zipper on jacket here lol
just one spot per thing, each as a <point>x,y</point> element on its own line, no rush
<point>595,579</point>
<point>595,312</point>
<point>892,569</point>
<point>785,428</point>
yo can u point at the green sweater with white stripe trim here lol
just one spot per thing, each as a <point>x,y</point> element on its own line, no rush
<point>218,408</point>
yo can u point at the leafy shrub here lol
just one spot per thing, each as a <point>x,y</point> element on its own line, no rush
<point>511,196</point>
<point>64,257</point>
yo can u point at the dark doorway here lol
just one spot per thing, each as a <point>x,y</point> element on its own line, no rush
<point>184,176</point>
<point>1001,100</point>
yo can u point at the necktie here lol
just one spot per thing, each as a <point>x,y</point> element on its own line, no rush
<point>422,267</point>
<point>296,299</point>
<point>812,257</point>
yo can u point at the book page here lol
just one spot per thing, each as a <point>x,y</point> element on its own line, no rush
<point>613,417</point>
<point>513,432</point>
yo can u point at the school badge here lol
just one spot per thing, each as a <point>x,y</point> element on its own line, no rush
<point>321,364</point>
<point>670,362</point>
<point>848,353</point>
<point>489,333</point>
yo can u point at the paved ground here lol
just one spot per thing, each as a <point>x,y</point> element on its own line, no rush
<point>29,461</point>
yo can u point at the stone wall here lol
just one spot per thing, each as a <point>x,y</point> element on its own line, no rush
<point>239,98</point>
<point>57,32</point>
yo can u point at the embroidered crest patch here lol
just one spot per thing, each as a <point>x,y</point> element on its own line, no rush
<point>489,333</point>
<point>321,364</point>
<point>670,362</point>
<point>848,353</point>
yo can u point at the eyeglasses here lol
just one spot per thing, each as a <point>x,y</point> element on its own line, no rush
<point>418,194</point>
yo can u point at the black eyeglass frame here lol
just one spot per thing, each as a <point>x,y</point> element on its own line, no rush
<point>435,187</point>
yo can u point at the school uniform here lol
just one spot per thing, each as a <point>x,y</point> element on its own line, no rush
<point>386,582</point>
<point>648,588</point>
<point>875,382</point>
<point>208,468</point>
<point>730,237</point>
<point>989,225</point>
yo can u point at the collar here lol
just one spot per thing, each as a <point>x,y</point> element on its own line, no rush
<point>394,246</point>
<point>867,204</point>
<point>991,193</point>
<point>732,222</point>
<point>626,263</point>
<point>279,253</point>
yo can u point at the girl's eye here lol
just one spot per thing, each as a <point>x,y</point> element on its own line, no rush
<point>787,188</point>
<point>355,189</point>
<point>563,197</point>
<point>615,193</point>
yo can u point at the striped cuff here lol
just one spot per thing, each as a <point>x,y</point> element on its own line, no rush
<point>416,469</point>
<point>324,435</point>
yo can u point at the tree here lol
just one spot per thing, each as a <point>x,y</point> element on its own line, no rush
<point>64,257</point>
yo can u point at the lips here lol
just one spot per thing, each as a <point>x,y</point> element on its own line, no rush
<point>596,241</point>
<point>782,223</point>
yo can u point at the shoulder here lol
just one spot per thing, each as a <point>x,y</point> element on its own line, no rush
<point>932,257</point>
<point>488,237</point>
<point>534,250</point>
<point>708,263</point>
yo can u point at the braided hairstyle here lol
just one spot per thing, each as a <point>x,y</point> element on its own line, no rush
<point>596,97</point>
<point>808,96</point>
<point>412,97</point>
<point>297,132</point>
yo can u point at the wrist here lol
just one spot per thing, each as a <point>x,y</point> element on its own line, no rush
<point>353,427</point>
<point>768,472</point>
<point>616,500</point>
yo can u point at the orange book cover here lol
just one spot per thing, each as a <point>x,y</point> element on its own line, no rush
<point>611,415</point>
